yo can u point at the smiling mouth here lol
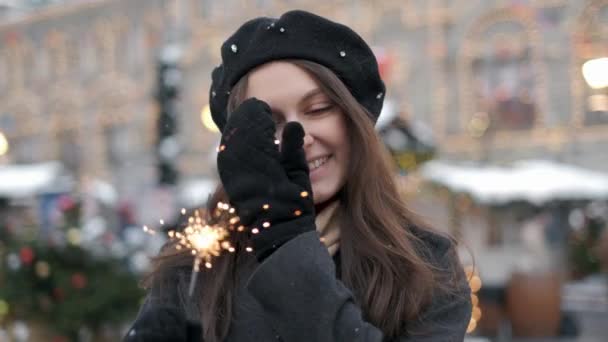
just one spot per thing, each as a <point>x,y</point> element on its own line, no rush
<point>317,163</point>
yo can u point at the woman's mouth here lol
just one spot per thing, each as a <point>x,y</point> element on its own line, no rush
<point>317,163</point>
<point>318,167</point>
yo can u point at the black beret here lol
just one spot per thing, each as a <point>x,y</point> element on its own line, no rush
<point>297,35</point>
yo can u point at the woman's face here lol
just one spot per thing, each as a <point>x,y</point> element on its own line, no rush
<point>293,95</point>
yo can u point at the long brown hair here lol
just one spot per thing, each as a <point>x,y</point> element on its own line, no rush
<point>383,260</point>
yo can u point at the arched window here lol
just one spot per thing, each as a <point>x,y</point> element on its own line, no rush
<point>56,47</point>
<point>501,75</point>
<point>114,114</point>
<point>105,37</point>
<point>135,46</point>
<point>19,53</point>
<point>590,106</point>
<point>121,30</point>
<point>64,116</point>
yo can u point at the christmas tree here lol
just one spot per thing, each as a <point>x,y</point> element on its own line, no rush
<point>68,280</point>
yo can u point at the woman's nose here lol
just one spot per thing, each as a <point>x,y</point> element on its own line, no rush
<point>308,139</point>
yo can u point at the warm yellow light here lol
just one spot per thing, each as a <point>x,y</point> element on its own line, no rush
<point>595,72</point>
<point>479,124</point>
<point>472,325</point>
<point>3,145</point>
<point>474,299</point>
<point>208,120</point>
<point>73,236</point>
<point>476,314</point>
<point>475,283</point>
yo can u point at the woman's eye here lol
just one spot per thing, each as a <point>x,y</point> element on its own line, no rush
<point>320,110</point>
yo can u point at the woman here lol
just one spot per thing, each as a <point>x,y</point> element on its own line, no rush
<point>336,255</point>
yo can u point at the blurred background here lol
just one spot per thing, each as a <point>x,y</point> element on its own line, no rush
<point>496,116</point>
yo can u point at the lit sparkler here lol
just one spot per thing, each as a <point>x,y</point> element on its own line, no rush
<point>205,240</point>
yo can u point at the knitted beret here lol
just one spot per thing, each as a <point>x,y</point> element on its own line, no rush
<point>297,35</point>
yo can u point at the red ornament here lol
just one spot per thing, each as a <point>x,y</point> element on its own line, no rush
<point>26,254</point>
<point>385,60</point>
<point>66,203</point>
<point>79,281</point>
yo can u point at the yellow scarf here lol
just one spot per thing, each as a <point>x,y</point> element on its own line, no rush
<point>328,227</point>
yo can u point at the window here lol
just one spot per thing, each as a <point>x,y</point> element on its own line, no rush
<point>591,45</point>
<point>503,78</point>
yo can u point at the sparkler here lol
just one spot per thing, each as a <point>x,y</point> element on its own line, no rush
<point>205,240</point>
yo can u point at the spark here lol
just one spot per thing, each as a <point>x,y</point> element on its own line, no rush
<point>205,240</point>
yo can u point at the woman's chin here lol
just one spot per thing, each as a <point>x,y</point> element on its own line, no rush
<point>322,193</point>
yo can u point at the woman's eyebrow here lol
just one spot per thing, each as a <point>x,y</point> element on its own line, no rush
<point>312,93</point>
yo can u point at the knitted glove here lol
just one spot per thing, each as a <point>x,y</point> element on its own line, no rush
<point>270,189</point>
<point>163,324</point>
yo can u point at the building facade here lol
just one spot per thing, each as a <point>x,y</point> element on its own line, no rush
<point>495,81</point>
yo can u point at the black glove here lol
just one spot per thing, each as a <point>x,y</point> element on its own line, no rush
<point>163,324</point>
<point>263,184</point>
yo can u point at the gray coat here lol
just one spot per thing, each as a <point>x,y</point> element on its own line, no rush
<point>295,296</point>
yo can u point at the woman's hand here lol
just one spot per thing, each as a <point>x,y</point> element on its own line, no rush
<point>163,324</point>
<point>270,188</point>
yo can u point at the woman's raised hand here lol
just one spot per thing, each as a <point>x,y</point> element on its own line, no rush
<point>269,186</point>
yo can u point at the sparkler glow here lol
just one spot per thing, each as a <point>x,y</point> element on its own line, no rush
<point>204,240</point>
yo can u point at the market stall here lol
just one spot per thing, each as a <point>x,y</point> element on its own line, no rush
<point>532,226</point>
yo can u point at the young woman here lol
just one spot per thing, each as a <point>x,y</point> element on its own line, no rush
<point>336,254</point>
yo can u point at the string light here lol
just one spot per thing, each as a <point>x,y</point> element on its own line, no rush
<point>475,285</point>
